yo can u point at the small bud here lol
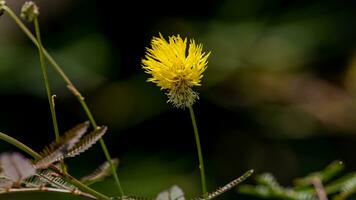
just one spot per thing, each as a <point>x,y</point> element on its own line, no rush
<point>2,4</point>
<point>29,11</point>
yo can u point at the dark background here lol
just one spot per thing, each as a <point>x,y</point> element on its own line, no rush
<point>278,94</point>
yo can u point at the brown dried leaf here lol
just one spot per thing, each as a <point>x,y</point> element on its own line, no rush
<point>58,149</point>
<point>103,171</point>
<point>87,141</point>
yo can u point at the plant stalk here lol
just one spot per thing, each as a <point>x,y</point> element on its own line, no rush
<point>46,79</point>
<point>50,97</point>
<point>200,154</point>
<point>72,88</point>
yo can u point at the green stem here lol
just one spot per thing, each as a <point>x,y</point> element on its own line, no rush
<point>102,142</point>
<point>72,88</point>
<point>47,85</point>
<point>108,158</point>
<point>46,80</point>
<point>200,154</point>
<point>67,177</point>
<point>20,145</point>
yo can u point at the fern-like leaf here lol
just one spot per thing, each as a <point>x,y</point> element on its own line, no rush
<point>33,182</point>
<point>349,185</point>
<point>266,192</point>
<point>325,175</point>
<point>269,188</point>
<point>54,180</point>
<point>268,180</point>
<point>15,167</point>
<point>104,170</point>
<point>86,142</point>
<point>347,189</point>
<point>5,182</point>
<point>227,187</point>
<point>56,150</point>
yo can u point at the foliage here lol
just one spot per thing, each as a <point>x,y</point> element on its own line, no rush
<point>336,185</point>
<point>48,171</point>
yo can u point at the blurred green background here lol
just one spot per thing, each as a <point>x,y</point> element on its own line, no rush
<point>278,95</point>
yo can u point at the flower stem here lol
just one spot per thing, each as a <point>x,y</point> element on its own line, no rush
<point>50,97</point>
<point>72,88</point>
<point>200,154</point>
<point>67,177</point>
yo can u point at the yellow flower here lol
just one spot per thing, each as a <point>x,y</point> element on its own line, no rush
<point>176,69</point>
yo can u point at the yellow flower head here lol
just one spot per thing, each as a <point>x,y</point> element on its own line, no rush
<point>176,69</point>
